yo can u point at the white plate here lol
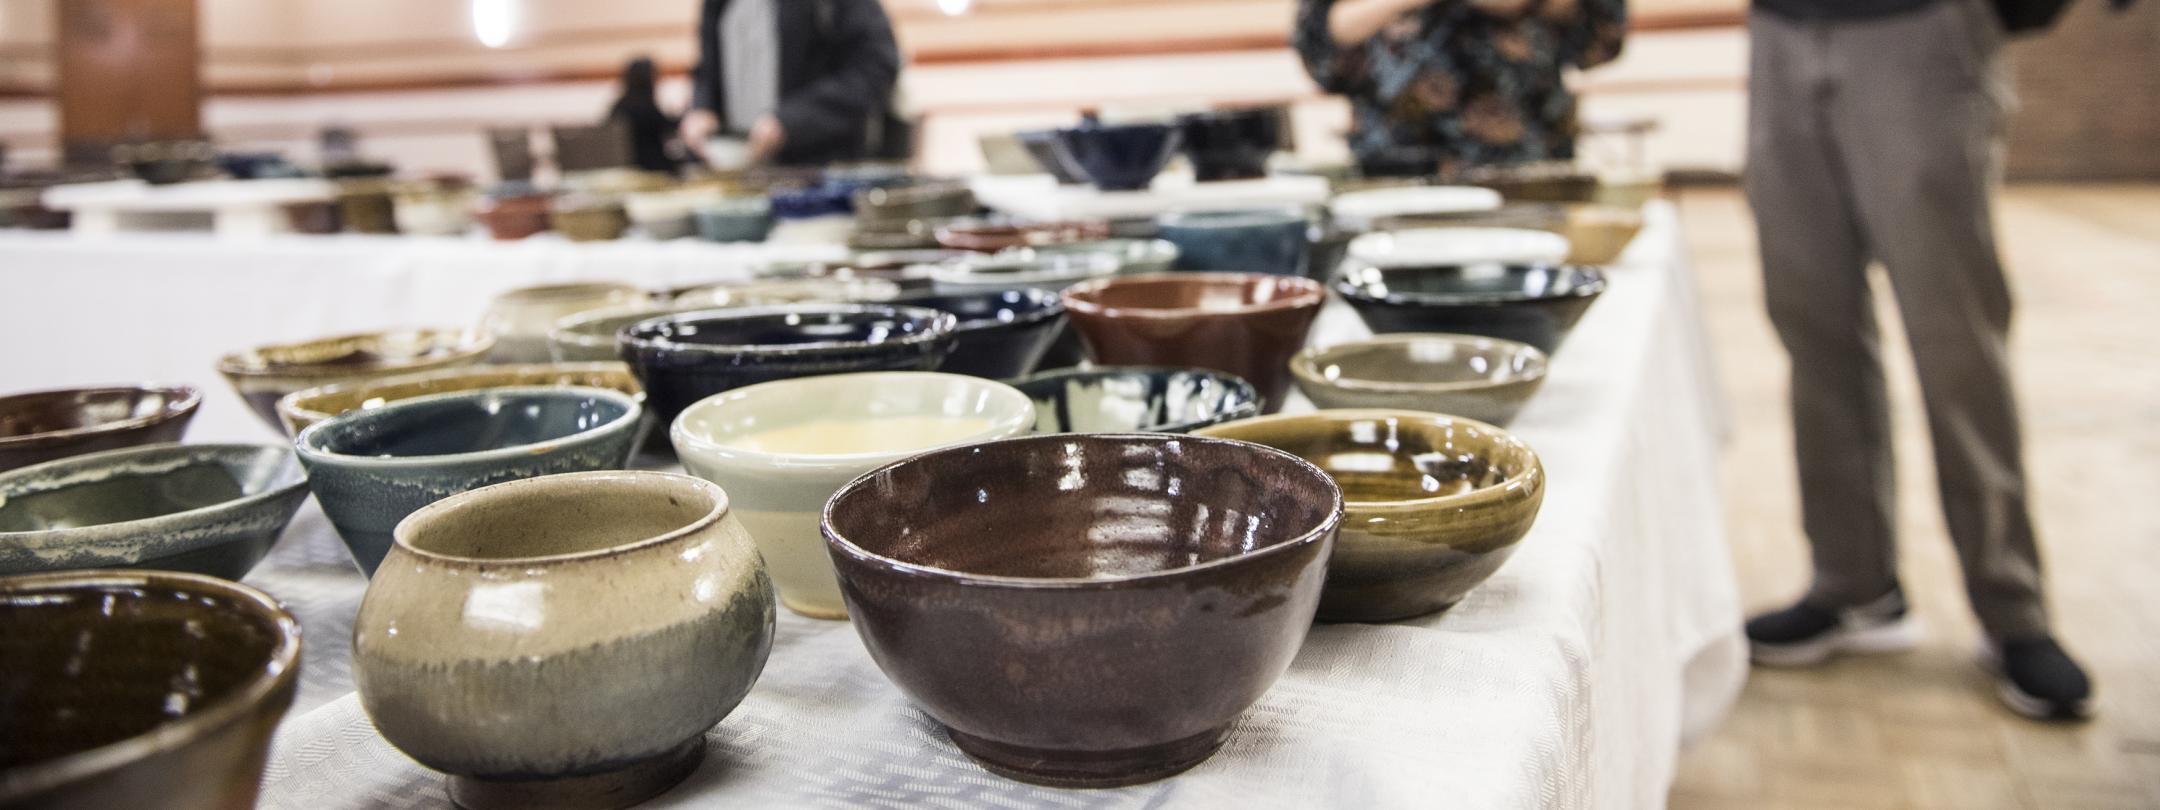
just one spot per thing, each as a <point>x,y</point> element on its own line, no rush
<point>1359,208</point>
<point>1430,246</point>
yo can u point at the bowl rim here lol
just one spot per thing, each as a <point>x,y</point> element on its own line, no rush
<point>277,488</point>
<point>1047,306</point>
<point>1474,198</point>
<point>307,444</point>
<point>1258,216</point>
<point>1251,395</point>
<point>1018,420</point>
<point>469,344</point>
<point>278,673</point>
<point>1593,284</point>
<point>1305,365</point>
<point>939,325</point>
<point>1529,480</point>
<point>1557,246</point>
<point>556,292</point>
<point>1307,293</point>
<point>721,507</point>
<point>1316,534</point>
<point>181,407</point>
<point>291,409</point>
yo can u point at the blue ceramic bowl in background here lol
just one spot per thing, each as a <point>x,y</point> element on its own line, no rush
<point>1536,304</point>
<point>688,356</point>
<point>1137,399</point>
<point>212,509</point>
<point>1120,157</point>
<point>1270,240</point>
<point>371,468</point>
<point>1001,334</point>
<point>748,219</point>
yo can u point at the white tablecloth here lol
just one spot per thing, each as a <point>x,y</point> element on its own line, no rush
<point>1567,681</point>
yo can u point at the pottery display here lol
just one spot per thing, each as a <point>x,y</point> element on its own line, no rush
<point>1021,593</point>
<point>1486,379</point>
<point>1231,144</point>
<point>264,374</point>
<point>924,201</point>
<point>780,449</point>
<point>899,234</point>
<point>990,237</point>
<point>1135,399</point>
<point>1432,504</point>
<point>1042,146</point>
<point>212,509</point>
<point>582,218</point>
<point>1596,234</point>
<point>1001,333</point>
<point>433,210</point>
<point>365,205</point>
<point>521,319</point>
<point>843,286</point>
<point>1360,209</point>
<point>1424,247</point>
<point>1017,269</point>
<point>44,425</point>
<point>1246,324</point>
<point>686,357</point>
<point>565,641</point>
<point>163,163</point>
<point>302,409</point>
<point>318,217</point>
<point>1134,256</point>
<point>144,690</point>
<point>734,219</point>
<point>370,468</point>
<point>1251,241</point>
<point>666,213</point>
<point>511,216</point>
<point>1527,303</point>
<point>1119,157</point>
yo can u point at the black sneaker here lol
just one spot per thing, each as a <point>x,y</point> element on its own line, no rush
<point>2037,678</point>
<point>1805,635</point>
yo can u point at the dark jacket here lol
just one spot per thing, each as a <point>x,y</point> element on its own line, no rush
<point>838,63</point>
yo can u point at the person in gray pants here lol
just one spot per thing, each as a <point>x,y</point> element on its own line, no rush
<point>1875,134</point>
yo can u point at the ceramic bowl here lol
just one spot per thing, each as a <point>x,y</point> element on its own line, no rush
<point>365,206</point>
<point>1361,209</point>
<point>780,449</point>
<point>1021,269</point>
<point>1527,303</point>
<point>899,234</point>
<point>264,374</point>
<point>1273,240</point>
<point>1133,399</point>
<point>521,319</point>
<point>1003,154</point>
<point>630,605</point>
<point>738,219</point>
<point>666,213</point>
<point>689,356</point>
<point>434,210</point>
<point>45,425</point>
<point>1134,256</point>
<point>1042,145</point>
<point>922,201</point>
<point>583,219</point>
<point>1486,379</point>
<point>990,237</point>
<point>1432,504</point>
<point>140,689</point>
<point>1425,247</point>
<point>302,409</point>
<point>1085,610</point>
<point>212,509</point>
<point>1596,234</point>
<point>1231,144</point>
<point>370,468</point>
<point>1245,324</point>
<point>1123,157</point>
<point>511,217</point>
<point>318,217</point>
<point>1001,334</point>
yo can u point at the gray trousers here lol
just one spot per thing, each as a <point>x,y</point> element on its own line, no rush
<point>1880,140</point>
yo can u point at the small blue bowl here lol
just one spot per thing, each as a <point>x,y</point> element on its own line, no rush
<point>1002,333</point>
<point>1119,158</point>
<point>1272,240</point>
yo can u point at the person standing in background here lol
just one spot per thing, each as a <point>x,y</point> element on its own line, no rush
<point>1440,85</point>
<point>638,111</point>
<point>803,81</point>
<point>1875,134</point>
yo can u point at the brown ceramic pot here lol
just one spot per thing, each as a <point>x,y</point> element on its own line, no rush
<point>1247,324</point>
<point>1085,610</point>
<point>509,218</point>
<point>46,425</point>
<point>319,217</point>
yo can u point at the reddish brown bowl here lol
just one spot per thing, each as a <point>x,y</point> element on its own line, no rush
<point>509,218</point>
<point>991,237</point>
<point>1247,324</point>
<point>46,425</point>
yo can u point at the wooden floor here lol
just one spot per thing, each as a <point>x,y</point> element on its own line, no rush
<point>1921,730</point>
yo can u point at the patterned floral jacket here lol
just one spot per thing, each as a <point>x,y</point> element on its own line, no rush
<point>1462,83</point>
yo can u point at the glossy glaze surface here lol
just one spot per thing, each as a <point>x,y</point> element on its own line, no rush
<point>144,690</point>
<point>689,356</point>
<point>212,509</point>
<point>1128,399</point>
<point>1001,334</point>
<point>1122,157</point>
<point>1255,241</point>
<point>41,426</point>
<point>1245,324</point>
<point>521,319</point>
<point>371,468</point>
<point>262,375</point>
<point>1231,144</point>
<point>1085,610</point>
<point>1486,379</point>
<point>1534,304</point>
<point>631,605</point>
<point>780,495</point>
<point>1432,505</point>
<point>302,409</point>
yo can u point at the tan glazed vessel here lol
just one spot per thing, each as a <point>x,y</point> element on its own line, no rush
<point>564,641</point>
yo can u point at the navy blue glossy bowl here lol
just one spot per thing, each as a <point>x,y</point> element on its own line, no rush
<point>688,356</point>
<point>1536,304</point>
<point>1001,333</point>
<point>1120,157</point>
<point>1137,399</point>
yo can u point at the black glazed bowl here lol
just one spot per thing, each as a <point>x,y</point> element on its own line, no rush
<point>1042,145</point>
<point>1137,399</point>
<point>1121,157</point>
<point>1528,303</point>
<point>688,356</point>
<point>1001,333</point>
<point>1231,144</point>
<point>213,509</point>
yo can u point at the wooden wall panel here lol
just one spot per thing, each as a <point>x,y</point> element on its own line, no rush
<point>128,70</point>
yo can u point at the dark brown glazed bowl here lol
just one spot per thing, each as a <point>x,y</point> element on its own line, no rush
<point>1085,610</point>
<point>46,425</point>
<point>139,689</point>
<point>1247,324</point>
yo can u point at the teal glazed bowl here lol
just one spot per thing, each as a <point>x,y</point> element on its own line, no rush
<point>372,468</point>
<point>211,509</point>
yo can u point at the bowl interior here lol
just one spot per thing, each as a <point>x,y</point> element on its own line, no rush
<point>358,352</point>
<point>1082,507</point>
<point>87,409</point>
<point>1136,400</point>
<point>1446,283</point>
<point>575,514</point>
<point>139,485</point>
<point>456,423</point>
<point>1434,361</point>
<point>797,326</point>
<point>1391,456</point>
<point>857,414</point>
<point>984,310</point>
<point>1201,292</point>
<point>97,662</point>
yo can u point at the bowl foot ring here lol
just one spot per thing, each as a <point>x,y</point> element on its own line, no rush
<point>621,787</point>
<point>1090,769</point>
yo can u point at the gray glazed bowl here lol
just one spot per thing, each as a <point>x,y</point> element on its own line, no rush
<point>371,468</point>
<point>211,509</point>
<point>1486,379</point>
